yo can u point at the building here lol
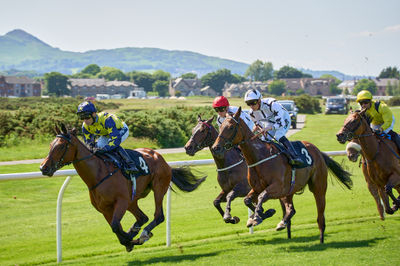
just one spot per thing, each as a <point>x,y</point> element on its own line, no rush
<point>92,87</point>
<point>311,86</point>
<point>383,84</point>
<point>11,86</point>
<point>347,85</point>
<point>239,89</point>
<point>185,87</point>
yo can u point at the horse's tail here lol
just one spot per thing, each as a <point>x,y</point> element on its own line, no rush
<point>185,179</point>
<point>338,171</point>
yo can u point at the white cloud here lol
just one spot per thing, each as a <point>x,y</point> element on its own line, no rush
<point>394,28</point>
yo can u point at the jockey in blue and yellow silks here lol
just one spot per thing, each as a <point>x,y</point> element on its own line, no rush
<point>382,118</point>
<point>111,129</point>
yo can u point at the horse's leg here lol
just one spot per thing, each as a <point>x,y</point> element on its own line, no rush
<point>289,212</point>
<point>114,219</point>
<point>259,211</point>
<point>217,202</point>
<point>248,201</point>
<point>227,216</point>
<point>141,219</point>
<point>393,183</point>
<point>373,189</point>
<point>320,200</point>
<point>385,200</point>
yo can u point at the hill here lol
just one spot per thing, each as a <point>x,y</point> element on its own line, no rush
<point>20,50</point>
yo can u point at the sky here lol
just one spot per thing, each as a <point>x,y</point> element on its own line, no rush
<point>356,37</point>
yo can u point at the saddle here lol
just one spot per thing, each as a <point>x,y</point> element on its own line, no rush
<point>300,149</point>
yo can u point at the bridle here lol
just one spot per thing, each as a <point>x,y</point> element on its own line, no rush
<point>60,163</point>
<point>229,141</point>
<point>207,141</point>
<point>349,133</point>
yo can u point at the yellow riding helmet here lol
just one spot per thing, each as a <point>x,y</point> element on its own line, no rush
<point>364,95</point>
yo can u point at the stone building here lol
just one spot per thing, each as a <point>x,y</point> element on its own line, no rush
<point>11,86</point>
<point>91,87</point>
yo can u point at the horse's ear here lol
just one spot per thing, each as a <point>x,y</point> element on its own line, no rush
<point>198,118</point>
<point>363,111</point>
<point>57,130</point>
<point>238,112</point>
<point>209,121</point>
<point>73,131</point>
<point>63,129</point>
<point>351,110</point>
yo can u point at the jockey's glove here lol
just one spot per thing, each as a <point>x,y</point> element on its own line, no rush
<point>378,131</point>
<point>98,151</point>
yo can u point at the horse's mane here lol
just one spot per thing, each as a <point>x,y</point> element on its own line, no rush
<point>70,132</point>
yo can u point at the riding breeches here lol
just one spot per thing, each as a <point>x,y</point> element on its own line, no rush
<point>103,140</point>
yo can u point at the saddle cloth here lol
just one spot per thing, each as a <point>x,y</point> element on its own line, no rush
<point>301,150</point>
<point>136,156</point>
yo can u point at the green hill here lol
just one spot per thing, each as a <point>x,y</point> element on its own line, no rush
<point>22,51</point>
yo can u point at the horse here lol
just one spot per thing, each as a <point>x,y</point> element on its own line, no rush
<point>353,151</point>
<point>270,175</point>
<point>382,165</point>
<point>232,169</point>
<point>110,192</point>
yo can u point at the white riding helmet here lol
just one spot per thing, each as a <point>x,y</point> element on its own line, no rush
<point>252,95</point>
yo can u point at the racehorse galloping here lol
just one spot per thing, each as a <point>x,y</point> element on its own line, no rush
<point>232,169</point>
<point>110,192</point>
<point>270,174</point>
<point>382,161</point>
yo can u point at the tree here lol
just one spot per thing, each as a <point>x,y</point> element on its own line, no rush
<point>287,72</point>
<point>142,79</point>
<point>390,72</point>
<point>161,86</point>
<point>189,76</point>
<point>260,71</point>
<point>56,84</point>
<point>111,73</point>
<point>217,79</point>
<point>277,87</point>
<point>91,69</point>
<point>365,84</point>
<point>161,75</point>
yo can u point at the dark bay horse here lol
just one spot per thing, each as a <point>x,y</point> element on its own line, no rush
<point>232,169</point>
<point>110,192</point>
<point>382,166</point>
<point>270,174</point>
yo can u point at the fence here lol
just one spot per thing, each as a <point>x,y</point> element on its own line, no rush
<point>70,173</point>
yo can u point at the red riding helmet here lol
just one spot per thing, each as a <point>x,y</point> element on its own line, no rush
<point>220,101</point>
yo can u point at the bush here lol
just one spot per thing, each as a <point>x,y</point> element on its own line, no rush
<point>307,104</point>
<point>394,101</point>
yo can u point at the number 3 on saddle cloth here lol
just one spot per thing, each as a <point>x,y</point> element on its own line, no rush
<point>303,153</point>
<point>140,163</point>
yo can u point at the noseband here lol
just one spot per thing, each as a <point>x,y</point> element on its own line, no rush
<point>229,142</point>
<point>349,133</point>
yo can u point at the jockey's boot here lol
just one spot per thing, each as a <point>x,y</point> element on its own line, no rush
<point>294,157</point>
<point>395,138</point>
<point>131,167</point>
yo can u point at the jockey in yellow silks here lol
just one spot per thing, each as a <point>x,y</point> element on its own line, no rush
<point>382,118</point>
<point>111,129</point>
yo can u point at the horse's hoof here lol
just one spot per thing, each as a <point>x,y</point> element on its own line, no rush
<point>281,226</point>
<point>236,219</point>
<point>268,213</point>
<point>227,218</point>
<point>389,211</point>
<point>257,220</point>
<point>129,247</point>
<point>249,222</point>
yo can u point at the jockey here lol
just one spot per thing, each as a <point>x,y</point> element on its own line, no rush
<point>270,116</point>
<point>109,127</point>
<point>382,119</point>
<point>222,107</point>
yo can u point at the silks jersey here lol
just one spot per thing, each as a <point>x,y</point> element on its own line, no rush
<point>105,124</point>
<point>380,114</point>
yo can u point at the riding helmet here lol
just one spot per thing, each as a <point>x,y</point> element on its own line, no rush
<point>364,95</point>
<point>251,95</point>
<point>86,107</point>
<point>220,101</point>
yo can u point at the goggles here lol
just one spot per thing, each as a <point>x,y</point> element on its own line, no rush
<point>220,109</point>
<point>84,116</point>
<point>252,102</point>
<point>364,102</point>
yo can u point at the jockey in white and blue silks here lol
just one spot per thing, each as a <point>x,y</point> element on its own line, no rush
<point>222,107</point>
<point>272,119</point>
<point>112,131</point>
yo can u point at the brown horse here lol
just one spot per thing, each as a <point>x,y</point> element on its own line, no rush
<point>232,169</point>
<point>353,151</point>
<point>382,166</point>
<point>270,174</point>
<point>110,192</point>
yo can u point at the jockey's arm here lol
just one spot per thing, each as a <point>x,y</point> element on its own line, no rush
<point>114,137</point>
<point>88,137</point>
<point>387,116</point>
<point>247,119</point>
<point>278,113</point>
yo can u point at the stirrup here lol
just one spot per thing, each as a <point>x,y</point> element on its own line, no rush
<point>296,161</point>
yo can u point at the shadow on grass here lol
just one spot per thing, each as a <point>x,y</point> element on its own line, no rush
<point>314,246</point>
<point>173,259</point>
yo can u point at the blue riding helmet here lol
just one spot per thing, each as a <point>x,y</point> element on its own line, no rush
<point>86,108</point>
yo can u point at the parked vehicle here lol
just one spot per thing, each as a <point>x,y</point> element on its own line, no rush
<point>290,106</point>
<point>336,105</point>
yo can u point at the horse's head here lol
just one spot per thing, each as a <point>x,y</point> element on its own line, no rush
<point>61,151</point>
<point>229,135</point>
<point>353,150</point>
<point>353,126</point>
<point>203,135</point>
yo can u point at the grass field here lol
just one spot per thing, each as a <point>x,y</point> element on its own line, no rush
<point>354,234</point>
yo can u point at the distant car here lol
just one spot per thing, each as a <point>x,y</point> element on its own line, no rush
<point>290,106</point>
<point>336,105</point>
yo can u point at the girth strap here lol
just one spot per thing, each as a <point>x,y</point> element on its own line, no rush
<point>104,179</point>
